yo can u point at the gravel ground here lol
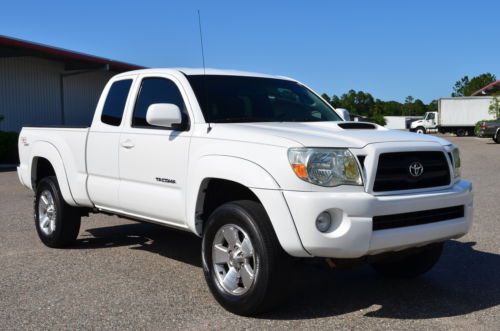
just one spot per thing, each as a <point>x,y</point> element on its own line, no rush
<point>127,275</point>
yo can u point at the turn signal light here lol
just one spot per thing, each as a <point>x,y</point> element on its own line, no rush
<point>300,170</point>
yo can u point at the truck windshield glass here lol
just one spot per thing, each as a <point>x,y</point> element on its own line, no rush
<point>236,99</point>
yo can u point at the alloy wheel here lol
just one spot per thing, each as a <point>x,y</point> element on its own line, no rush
<point>47,213</point>
<point>233,259</point>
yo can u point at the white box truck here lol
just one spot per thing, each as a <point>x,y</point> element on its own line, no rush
<point>455,115</point>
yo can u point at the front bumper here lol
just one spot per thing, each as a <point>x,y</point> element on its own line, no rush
<point>352,235</point>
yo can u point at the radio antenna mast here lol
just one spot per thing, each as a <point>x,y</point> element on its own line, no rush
<point>204,74</point>
<point>201,42</point>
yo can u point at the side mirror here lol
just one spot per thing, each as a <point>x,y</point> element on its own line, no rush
<point>163,114</point>
<point>344,113</point>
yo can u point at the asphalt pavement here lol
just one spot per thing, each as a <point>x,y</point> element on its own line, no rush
<point>127,275</point>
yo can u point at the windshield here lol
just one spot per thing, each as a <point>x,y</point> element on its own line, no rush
<point>236,99</point>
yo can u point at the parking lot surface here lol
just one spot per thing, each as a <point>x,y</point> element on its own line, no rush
<point>127,275</point>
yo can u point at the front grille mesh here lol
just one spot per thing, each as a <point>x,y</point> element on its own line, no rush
<point>393,171</point>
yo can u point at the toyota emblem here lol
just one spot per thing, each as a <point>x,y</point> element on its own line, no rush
<point>416,169</point>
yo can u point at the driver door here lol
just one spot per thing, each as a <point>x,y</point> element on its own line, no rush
<point>430,120</point>
<point>153,160</point>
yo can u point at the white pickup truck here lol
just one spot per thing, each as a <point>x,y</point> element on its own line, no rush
<point>260,167</point>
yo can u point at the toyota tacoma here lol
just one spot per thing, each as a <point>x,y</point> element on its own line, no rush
<point>260,167</point>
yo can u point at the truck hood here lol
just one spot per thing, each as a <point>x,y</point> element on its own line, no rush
<point>418,122</point>
<point>316,134</point>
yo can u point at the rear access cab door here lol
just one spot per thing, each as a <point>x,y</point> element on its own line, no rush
<point>102,145</point>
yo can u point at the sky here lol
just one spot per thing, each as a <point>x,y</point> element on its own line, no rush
<point>390,49</point>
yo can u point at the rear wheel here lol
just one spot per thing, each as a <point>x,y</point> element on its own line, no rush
<point>57,223</point>
<point>245,267</point>
<point>410,266</point>
<point>461,132</point>
<point>420,130</point>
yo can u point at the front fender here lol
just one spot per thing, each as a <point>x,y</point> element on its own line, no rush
<point>258,180</point>
<point>46,150</point>
<point>415,124</point>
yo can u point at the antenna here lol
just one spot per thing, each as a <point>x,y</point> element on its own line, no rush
<point>201,42</point>
<point>204,73</point>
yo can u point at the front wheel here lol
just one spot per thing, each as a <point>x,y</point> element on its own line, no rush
<point>57,223</point>
<point>410,266</point>
<point>420,130</point>
<point>245,267</point>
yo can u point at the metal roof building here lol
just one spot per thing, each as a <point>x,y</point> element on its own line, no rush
<point>489,89</point>
<point>44,85</point>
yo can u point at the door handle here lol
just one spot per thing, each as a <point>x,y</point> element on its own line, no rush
<point>127,144</point>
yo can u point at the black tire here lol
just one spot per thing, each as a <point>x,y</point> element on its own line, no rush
<point>420,130</point>
<point>497,137</point>
<point>271,264</point>
<point>67,218</point>
<point>461,132</point>
<point>410,266</point>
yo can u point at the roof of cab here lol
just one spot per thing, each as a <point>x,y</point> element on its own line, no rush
<point>201,71</point>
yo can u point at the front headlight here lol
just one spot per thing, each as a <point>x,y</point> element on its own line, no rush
<point>455,155</point>
<point>325,166</point>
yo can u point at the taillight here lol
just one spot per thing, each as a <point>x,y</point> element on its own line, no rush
<point>483,126</point>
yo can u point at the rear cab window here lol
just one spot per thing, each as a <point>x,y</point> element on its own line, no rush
<point>112,112</point>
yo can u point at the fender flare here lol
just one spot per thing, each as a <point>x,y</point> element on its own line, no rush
<point>235,169</point>
<point>46,150</point>
<point>255,178</point>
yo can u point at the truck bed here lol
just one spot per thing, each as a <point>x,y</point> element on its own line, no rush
<point>66,146</point>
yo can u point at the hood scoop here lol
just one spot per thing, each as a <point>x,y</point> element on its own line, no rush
<point>357,126</point>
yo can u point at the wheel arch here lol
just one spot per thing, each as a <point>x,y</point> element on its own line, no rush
<point>241,173</point>
<point>46,160</point>
<point>249,181</point>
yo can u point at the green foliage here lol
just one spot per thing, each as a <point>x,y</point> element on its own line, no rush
<point>359,103</point>
<point>378,116</point>
<point>363,103</point>
<point>465,87</point>
<point>379,119</point>
<point>413,107</point>
<point>432,106</point>
<point>494,108</point>
<point>8,147</point>
<point>326,97</point>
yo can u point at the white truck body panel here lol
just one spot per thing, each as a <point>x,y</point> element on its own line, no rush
<point>160,175</point>
<point>395,122</point>
<point>463,111</point>
<point>66,149</point>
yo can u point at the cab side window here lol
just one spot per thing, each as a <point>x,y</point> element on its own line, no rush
<point>112,112</point>
<point>157,90</point>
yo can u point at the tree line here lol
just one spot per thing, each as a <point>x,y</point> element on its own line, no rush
<point>364,104</point>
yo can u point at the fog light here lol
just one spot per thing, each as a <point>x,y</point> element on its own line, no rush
<point>324,221</point>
